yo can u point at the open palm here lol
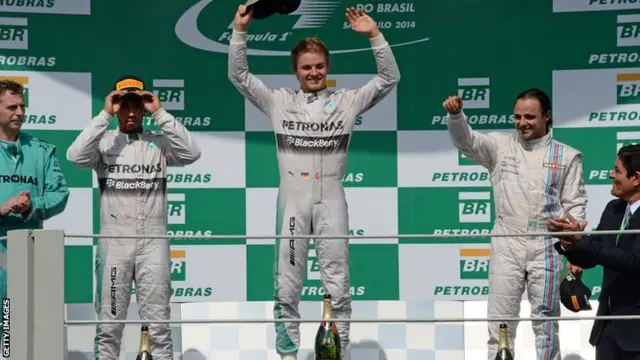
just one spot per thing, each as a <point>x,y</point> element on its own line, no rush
<point>360,22</point>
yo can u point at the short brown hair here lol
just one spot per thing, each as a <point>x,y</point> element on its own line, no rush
<point>10,86</point>
<point>311,44</point>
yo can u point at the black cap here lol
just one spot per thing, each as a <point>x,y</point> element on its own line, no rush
<point>574,294</point>
<point>263,9</point>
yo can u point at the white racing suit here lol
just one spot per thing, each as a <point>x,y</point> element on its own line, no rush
<point>532,181</point>
<point>312,134</point>
<point>132,176</point>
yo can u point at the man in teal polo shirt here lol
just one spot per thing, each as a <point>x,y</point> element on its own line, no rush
<point>32,186</point>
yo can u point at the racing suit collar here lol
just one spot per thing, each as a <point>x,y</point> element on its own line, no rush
<point>311,97</point>
<point>129,136</point>
<point>537,143</point>
<point>12,148</point>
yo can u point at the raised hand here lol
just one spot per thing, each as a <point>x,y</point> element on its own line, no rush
<point>111,104</point>
<point>361,22</point>
<point>570,224</point>
<point>150,101</point>
<point>243,18</point>
<point>453,105</point>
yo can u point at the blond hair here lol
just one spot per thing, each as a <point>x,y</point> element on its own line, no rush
<point>308,45</point>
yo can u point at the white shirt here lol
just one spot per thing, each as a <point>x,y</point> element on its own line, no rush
<point>634,206</point>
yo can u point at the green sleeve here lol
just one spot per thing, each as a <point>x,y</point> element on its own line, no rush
<point>55,195</point>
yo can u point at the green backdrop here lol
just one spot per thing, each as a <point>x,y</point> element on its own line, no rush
<point>403,176</point>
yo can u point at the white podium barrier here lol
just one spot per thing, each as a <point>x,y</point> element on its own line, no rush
<point>370,341</point>
<point>37,312</point>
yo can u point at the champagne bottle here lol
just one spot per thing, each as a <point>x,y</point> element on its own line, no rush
<point>327,345</point>
<point>144,351</point>
<point>503,345</point>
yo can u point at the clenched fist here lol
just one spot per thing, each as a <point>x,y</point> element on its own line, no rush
<point>453,105</point>
<point>243,18</point>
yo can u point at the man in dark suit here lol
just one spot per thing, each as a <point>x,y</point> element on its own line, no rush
<point>619,255</point>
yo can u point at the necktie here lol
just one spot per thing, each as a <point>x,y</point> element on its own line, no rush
<point>625,222</point>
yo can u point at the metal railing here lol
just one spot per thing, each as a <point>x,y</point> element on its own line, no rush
<point>36,309</point>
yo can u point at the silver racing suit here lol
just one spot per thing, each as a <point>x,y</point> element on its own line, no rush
<point>532,181</point>
<point>132,176</point>
<point>312,133</point>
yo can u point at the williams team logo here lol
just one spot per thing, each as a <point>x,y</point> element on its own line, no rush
<point>399,21</point>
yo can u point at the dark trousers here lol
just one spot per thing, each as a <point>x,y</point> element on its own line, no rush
<point>608,348</point>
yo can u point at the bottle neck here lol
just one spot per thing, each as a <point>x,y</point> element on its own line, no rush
<point>503,342</point>
<point>144,341</point>
<point>327,311</point>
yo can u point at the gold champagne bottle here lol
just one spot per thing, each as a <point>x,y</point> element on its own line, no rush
<point>504,353</point>
<point>144,351</point>
<point>327,345</point>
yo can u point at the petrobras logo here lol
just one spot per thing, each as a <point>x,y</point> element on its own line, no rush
<point>14,33</point>
<point>179,223</point>
<point>627,36</point>
<point>628,30</point>
<point>277,35</point>
<point>41,112</point>
<point>184,287</point>
<point>607,97</point>
<point>474,264</point>
<point>466,173</point>
<point>468,212</point>
<point>75,7</point>
<point>178,265</point>
<point>594,5</point>
<point>628,86</point>
<point>474,207</point>
<point>474,92</point>
<point>177,211</point>
<point>170,93</point>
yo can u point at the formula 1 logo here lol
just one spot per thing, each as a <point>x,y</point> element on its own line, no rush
<point>276,36</point>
